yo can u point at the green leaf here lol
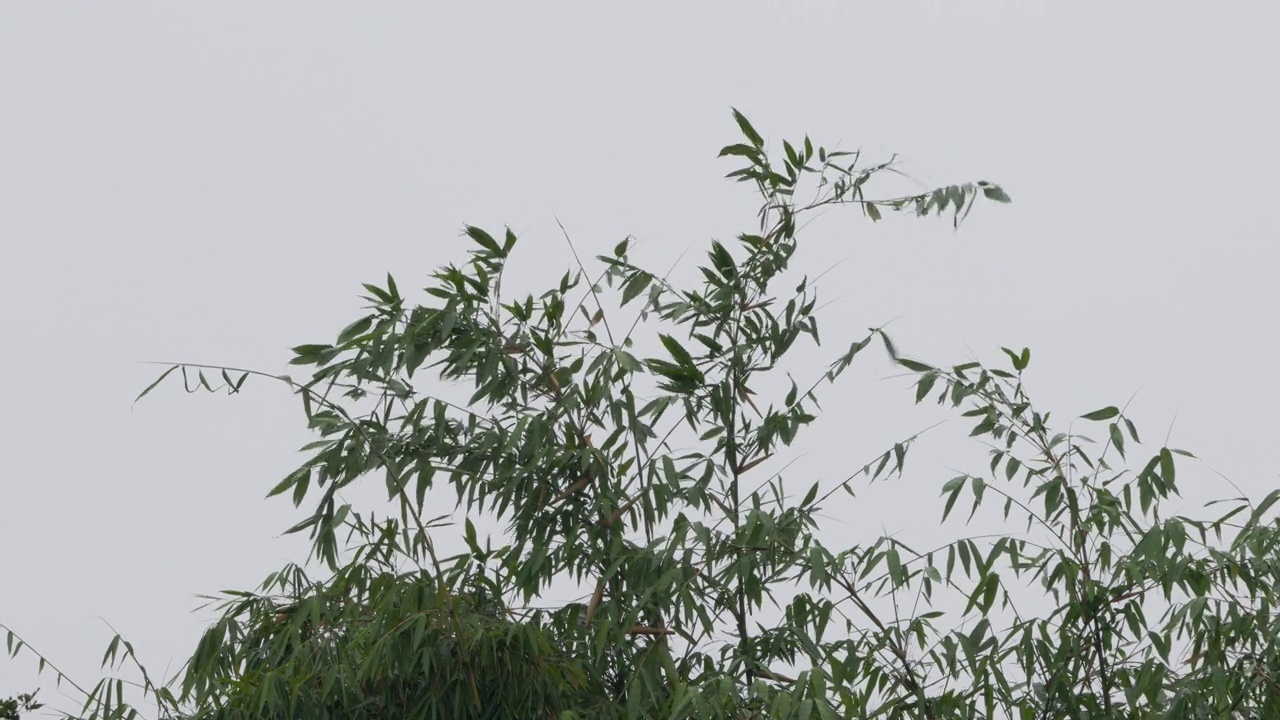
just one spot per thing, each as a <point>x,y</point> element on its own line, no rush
<point>987,425</point>
<point>1052,495</point>
<point>378,293</point>
<point>989,595</point>
<point>309,522</point>
<point>810,496</point>
<point>792,394</point>
<point>979,487</point>
<point>1151,545</point>
<point>682,379</point>
<point>354,330</point>
<point>673,346</point>
<point>340,516</point>
<point>871,211</point>
<point>722,259</point>
<point>952,490</point>
<point>469,534</point>
<point>290,480</point>
<point>1133,431</point>
<point>888,345</point>
<point>995,192</point>
<point>233,386</point>
<point>1166,465</point>
<point>1105,413</point>
<point>793,157</point>
<point>916,366</point>
<point>740,150</point>
<point>894,563</point>
<point>153,385</point>
<point>310,354</point>
<point>1019,360</point>
<point>1117,438</point>
<point>925,385</point>
<point>747,130</point>
<point>300,485</point>
<point>635,285</point>
<point>1264,506</point>
<point>1011,467</point>
<point>626,361</point>
<point>483,239</point>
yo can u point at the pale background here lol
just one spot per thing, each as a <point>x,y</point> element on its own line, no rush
<point>212,182</point>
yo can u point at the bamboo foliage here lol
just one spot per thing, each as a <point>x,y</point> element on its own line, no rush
<point>619,434</point>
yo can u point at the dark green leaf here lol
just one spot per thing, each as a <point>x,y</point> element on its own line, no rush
<point>916,366</point>
<point>810,496</point>
<point>746,151</point>
<point>1262,508</point>
<point>1166,465</point>
<point>1133,431</point>
<point>888,345</point>
<point>1117,438</point>
<point>994,192</point>
<point>673,346</point>
<point>747,130</point>
<point>1011,467</point>
<point>1105,413</point>
<point>378,293</point>
<point>483,239</point>
<point>635,285</point>
<point>354,330</point>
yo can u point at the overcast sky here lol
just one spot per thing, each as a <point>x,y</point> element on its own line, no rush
<point>211,182</point>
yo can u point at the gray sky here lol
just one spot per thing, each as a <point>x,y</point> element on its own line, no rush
<point>212,182</point>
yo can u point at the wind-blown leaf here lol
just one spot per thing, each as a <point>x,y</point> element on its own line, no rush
<point>747,129</point>
<point>1105,413</point>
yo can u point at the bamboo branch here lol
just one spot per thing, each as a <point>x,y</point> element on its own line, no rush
<point>577,486</point>
<point>752,464</point>
<point>596,597</point>
<point>771,675</point>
